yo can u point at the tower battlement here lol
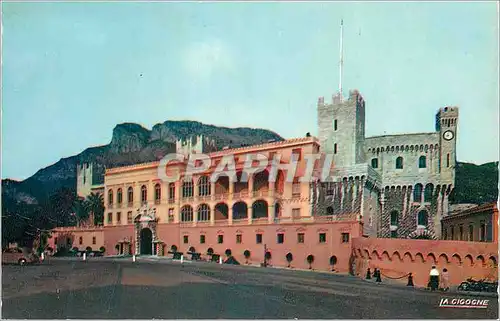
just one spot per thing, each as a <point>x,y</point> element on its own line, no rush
<point>195,145</point>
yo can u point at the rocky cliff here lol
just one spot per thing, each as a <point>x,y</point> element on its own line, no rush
<point>130,144</point>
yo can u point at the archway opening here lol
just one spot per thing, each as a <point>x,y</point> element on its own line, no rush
<point>146,241</point>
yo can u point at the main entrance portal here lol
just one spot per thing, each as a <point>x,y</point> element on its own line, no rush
<point>146,241</point>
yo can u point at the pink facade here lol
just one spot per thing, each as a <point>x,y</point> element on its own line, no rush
<point>398,257</point>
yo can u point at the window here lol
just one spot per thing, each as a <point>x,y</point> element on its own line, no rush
<point>428,192</point>
<point>220,239</point>
<point>271,156</point>
<point>374,162</point>
<point>322,237</point>
<point>422,162</point>
<point>238,238</point>
<point>422,219</point>
<point>394,218</point>
<point>281,238</point>
<point>417,193</point>
<point>258,238</point>
<point>129,218</point>
<point>187,188</point>
<point>452,232</point>
<point>93,240</point>
<point>482,232</point>
<point>399,162</point>
<point>471,233</point>
<point>80,240</point>
<point>447,160</point>
<point>170,214</point>
<point>186,239</point>
<point>203,212</point>
<point>119,196</point>
<point>130,193</point>
<point>345,237</point>
<point>329,210</point>
<point>157,193</point>
<point>204,186</point>
<point>300,237</point>
<point>202,239</point>
<point>461,232</point>
<point>110,218</point>
<point>296,189</point>
<point>110,197</point>
<point>334,124</point>
<point>297,152</point>
<point>118,217</point>
<point>445,234</point>
<point>171,192</point>
<point>394,234</point>
<point>335,148</point>
<point>144,194</point>
<point>295,212</point>
<point>187,214</point>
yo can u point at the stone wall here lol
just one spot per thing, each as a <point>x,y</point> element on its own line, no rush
<point>396,258</point>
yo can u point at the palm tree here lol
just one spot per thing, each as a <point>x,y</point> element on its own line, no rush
<point>95,203</point>
<point>80,210</point>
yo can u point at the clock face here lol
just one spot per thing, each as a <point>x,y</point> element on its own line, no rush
<point>448,135</point>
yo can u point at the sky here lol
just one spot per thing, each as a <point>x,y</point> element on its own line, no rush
<point>72,71</point>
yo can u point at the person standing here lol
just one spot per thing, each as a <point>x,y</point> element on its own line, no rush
<point>445,279</point>
<point>434,278</point>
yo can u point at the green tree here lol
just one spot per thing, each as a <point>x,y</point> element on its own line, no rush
<point>95,205</point>
<point>80,210</point>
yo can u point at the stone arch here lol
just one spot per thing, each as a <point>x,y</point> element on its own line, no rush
<point>407,257</point>
<point>443,259</point>
<point>367,254</point>
<point>456,259</point>
<point>421,148</point>
<point>428,192</point>
<point>240,210</point>
<point>426,148</point>
<point>259,209</point>
<point>468,260</point>
<point>396,257</point>
<point>388,149</point>
<point>397,149</point>
<point>385,256</point>
<point>492,262</point>
<point>431,258</point>
<point>411,148</point>
<point>221,212</point>
<point>406,148</point>
<point>375,255</point>
<point>360,254</point>
<point>480,260</point>
<point>419,258</point>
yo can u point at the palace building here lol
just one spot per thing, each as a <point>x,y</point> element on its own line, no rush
<point>383,186</point>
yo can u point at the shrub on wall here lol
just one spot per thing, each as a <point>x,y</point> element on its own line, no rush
<point>102,249</point>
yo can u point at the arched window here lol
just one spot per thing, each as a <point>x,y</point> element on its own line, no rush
<point>187,188</point>
<point>428,192</point>
<point>130,195</point>
<point>203,212</point>
<point>157,193</point>
<point>374,162</point>
<point>329,210</point>
<point>204,186</point>
<point>417,193</point>
<point>187,214</point>
<point>422,162</point>
<point>171,192</point>
<point>399,162</point>
<point>110,196</point>
<point>119,196</point>
<point>422,219</point>
<point>144,194</point>
<point>394,218</point>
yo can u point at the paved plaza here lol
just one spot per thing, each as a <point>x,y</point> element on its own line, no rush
<point>105,288</point>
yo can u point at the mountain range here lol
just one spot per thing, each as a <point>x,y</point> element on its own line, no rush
<point>132,143</point>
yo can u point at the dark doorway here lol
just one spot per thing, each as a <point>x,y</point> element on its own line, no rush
<point>146,241</point>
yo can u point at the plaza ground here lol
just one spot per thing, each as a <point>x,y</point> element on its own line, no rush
<point>118,288</point>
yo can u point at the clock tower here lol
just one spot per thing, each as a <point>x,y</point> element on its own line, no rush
<point>446,126</point>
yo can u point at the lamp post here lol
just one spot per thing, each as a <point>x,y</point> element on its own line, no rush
<point>265,258</point>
